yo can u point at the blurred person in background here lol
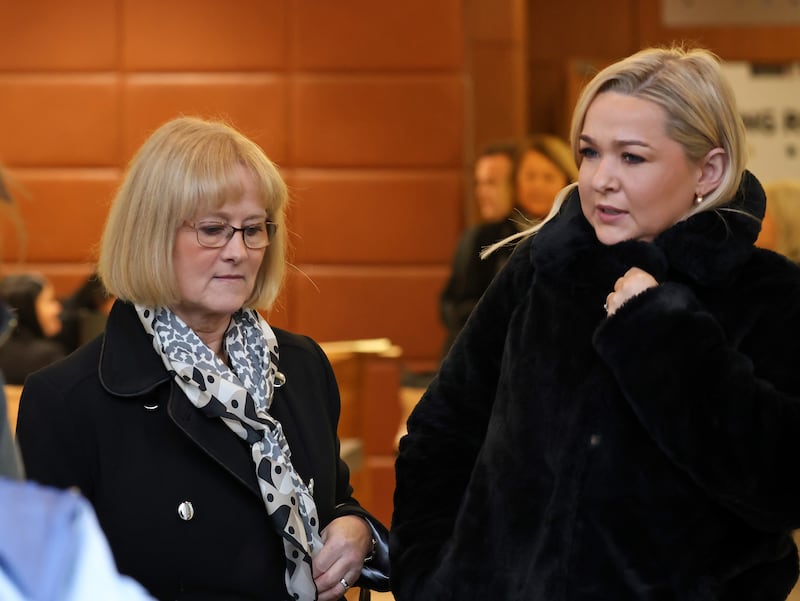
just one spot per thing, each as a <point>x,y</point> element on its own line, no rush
<point>493,172</point>
<point>84,313</point>
<point>36,310</point>
<point>545,167</point>
<point>781,228</point>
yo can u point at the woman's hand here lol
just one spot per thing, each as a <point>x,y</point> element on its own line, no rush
<point>635,281</point>
<point>347,541</point>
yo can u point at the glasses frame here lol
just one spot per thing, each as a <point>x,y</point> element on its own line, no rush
<point>271,228</point>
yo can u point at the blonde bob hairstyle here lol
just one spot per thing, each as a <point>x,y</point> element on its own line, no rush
<point>187,167</point>
<point>699,104</point>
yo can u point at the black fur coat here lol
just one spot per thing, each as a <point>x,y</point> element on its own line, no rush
<point>653,455</point>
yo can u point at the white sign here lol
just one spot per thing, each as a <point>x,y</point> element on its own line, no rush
<point>769,102</point>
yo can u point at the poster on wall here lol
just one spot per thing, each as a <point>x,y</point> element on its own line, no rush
<point>769,101</point>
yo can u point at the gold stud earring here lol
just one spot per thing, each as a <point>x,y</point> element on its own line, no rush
<point>698,198</point>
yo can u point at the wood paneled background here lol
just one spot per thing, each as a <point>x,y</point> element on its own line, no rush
<point>373,111</point>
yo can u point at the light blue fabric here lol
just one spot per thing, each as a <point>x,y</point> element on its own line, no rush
<point>52,549</point>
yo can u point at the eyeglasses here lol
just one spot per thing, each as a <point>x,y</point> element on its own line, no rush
<point>216,235</point>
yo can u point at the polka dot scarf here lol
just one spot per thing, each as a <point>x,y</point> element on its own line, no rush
<point>241,396</point>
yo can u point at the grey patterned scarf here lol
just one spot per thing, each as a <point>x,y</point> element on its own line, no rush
<point>241,397</point>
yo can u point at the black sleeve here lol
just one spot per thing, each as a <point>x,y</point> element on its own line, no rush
<point>445,433</point>
<point>727,411</point>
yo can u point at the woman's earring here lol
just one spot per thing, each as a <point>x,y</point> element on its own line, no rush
<point>698,198</point>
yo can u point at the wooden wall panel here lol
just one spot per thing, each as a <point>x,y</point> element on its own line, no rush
<point>413,34</point>
<point>495,21</point>
<point>346,303</point>
<point>496,34</point>
<point>59,120</point>
<point>377,121</point>
<point>498,68</point>
<point>48,35</point>
<point>376,217</point>
<point>364,100</point>
<point>590,30</point>
<point>254,103</point>
<point>770,44</point>
<point>558,43</point>
<point>180,35</point>
<point>64,212</point>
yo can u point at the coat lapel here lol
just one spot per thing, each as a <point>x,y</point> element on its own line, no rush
<point>146,378</point>
<point>214,437</point>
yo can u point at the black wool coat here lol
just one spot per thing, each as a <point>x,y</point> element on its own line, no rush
<point>561,455</point>
<point>110,420</point>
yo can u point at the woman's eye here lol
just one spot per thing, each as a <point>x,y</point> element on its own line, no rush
<point>254,230</point>
<point>632,158</point>
<point>587,152</point>
<point>212,230</point>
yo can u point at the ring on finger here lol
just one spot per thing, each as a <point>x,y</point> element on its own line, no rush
<point>345,584</point>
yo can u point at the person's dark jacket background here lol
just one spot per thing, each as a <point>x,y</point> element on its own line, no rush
<point>563,455</point>
<point>27,348</point>
<point>24,353</point>
<point>110,420</point>
<point>470,275</point>
<point>81,309</point>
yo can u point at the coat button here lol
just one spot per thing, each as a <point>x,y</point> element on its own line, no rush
<point>186,510</point>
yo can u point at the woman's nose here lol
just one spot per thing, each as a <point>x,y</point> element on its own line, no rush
<point>604,178</point>
<point>235,246</point>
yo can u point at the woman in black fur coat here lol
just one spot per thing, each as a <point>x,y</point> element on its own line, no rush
<point>620,418</point>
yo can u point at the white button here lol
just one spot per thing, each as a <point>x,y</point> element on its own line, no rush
<point>595,440</point>
<point>186,510</point>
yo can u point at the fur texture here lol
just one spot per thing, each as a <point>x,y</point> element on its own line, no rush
<point>563,455</point>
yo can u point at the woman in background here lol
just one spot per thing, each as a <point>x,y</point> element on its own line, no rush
<point>83,313</point>
<point>36,311</point>
<point>543,168</point>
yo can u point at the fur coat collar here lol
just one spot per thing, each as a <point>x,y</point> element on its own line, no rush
<point>705,249</point>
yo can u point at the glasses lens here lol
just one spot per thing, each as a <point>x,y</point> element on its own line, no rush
<point>217,235</point>
<point>255,236</point>
<point>212,235</point>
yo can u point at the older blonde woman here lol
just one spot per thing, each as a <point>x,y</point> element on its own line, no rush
<point>205,439</point>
